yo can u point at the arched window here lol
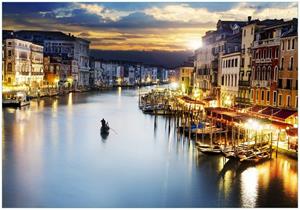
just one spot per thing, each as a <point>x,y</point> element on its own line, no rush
<point>257,73</point>
<point>9,67</point>
<point>253,73</point>
<point>263,73</point>
<point>269,73</point>
<point>275,73</point>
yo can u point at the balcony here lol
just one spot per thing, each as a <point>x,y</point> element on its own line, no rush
<point>260,83</point>
<point>266,42</point>
<point>244,83</point>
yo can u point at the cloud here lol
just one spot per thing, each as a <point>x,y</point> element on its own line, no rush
<point>186,13</point>
<point>105,13</point>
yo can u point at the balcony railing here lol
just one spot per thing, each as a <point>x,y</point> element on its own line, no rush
<point>260,83</point>
<point>266,42</point>
<point>244,83</point>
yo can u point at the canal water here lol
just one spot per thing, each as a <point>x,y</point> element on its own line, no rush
<point>54,156</point>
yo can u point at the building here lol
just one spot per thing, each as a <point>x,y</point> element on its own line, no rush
<point>230,69</point>
<point>23,63</point>
<point>287,86</point>
<point>186,74</point>
<point>265,65</point>
<point>96,73</point>
<point>58,73</point>
<point>225,39</point>
<point>58,44</point>
<point>248,35</point>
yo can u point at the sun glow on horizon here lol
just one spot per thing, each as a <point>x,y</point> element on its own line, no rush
<point>194,44</point>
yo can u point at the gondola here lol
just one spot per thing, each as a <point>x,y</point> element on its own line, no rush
<point>105,130</point>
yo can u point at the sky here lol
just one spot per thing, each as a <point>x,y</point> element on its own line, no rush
<point>138,26</point>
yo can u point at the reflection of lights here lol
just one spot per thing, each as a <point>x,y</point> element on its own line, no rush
<point>249,179</point>
<point>70,99</point>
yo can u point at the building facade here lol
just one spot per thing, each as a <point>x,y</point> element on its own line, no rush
<point>23,63</point>
<point>230,76</point>
<point>265,65</point>
<point>287,87</point>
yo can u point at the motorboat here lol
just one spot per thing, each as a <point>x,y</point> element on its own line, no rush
<point>17,99</point>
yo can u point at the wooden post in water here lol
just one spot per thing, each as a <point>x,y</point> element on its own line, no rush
<point>271,142</point>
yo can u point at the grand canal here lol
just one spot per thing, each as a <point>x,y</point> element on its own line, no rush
<point>54,156</point>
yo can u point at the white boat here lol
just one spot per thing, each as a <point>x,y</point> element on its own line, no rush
<point>211,150</point>
<point>18,99</point>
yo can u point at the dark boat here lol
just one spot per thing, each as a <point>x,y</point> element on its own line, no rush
<point>105,130</point>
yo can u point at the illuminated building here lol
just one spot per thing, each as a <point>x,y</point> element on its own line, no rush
<point>23,63</point>
<point>230,65</point>
<point>287,86</point>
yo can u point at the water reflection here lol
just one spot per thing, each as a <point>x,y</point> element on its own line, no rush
<point>53,157</point>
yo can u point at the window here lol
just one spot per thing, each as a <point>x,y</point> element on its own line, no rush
<point>251,94</point>
<point>243,61</point>
<point>232,63</point>
<point>257,95</point>
<point>265,54</point>
<point>279,83</point>
<point>282,45</point>
<point>296,84</point>
<point>270,53</point>
<point>268,95</point>
<point>275,73</point>
<point>236,62</point>
<point>289,45</point>
<point>262,95</point>
<point>289,84</point>
<point>280,100</point>
<point>293,44</point>
<point>296,102</point>
<point>282,62</point>
<point>9,53</point>
<point>291,63</point>
<point>276,52</point>
<point>288,100</point>
<point>274,98</point>
<point>9,67</point>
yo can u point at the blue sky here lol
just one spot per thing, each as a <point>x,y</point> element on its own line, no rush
<point>138,25</point>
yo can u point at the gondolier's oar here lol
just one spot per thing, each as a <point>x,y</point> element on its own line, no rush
<point>113,130</point>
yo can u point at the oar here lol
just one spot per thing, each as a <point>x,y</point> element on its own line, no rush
<point>113,130</point>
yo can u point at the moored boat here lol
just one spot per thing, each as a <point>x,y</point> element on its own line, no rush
<point>18,99</point>
<point>214,150</point>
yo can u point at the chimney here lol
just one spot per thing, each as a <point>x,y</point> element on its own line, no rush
<point>249,19</point>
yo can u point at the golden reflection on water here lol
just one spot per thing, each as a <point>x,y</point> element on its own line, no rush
<point>249,182</point>
<point>54,108</point>
<point>258,177</point>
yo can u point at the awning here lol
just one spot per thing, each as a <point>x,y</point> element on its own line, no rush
<point>269,111</point>
<point>284,114</point>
